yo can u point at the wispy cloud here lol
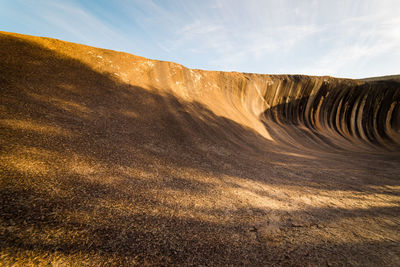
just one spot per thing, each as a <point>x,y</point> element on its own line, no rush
<point>362,40</point>
<point>234,35</point>
<point>72,19</point>
<point>331,39</point>
<point>338,38</point>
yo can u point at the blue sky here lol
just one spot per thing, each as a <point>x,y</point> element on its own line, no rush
<point>349,38</point>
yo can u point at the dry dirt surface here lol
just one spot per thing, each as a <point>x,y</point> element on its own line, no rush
<point>113,159</point>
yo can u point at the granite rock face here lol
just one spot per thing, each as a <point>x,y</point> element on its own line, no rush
<point>111,158</point>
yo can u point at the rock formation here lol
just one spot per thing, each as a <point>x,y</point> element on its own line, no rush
<point>111,158</point>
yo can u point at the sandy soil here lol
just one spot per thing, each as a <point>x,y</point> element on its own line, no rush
<point>112,159</point>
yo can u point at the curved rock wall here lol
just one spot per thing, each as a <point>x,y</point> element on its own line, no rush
<point>330,110</point>
<point>112,159</point>
<point>344,110</point>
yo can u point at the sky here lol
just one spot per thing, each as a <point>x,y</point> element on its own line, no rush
<point>341,38</point>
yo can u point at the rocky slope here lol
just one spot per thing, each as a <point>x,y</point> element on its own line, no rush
<point>116,159</point>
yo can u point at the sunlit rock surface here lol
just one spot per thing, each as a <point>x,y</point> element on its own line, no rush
<point>110,158</point>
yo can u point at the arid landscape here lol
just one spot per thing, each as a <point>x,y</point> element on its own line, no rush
<point>112,159</point>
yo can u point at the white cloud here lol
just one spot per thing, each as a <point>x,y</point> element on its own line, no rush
<point>338,38</point>
<point>361,40</point>
<point>73,20</point>
<point>234,34</point>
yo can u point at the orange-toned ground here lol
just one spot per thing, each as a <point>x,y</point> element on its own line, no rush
<point>112,159</point>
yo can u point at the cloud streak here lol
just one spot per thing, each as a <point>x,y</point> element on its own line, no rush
<point>337,38</point>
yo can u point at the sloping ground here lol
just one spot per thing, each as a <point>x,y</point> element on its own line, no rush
<point>113,159</point>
